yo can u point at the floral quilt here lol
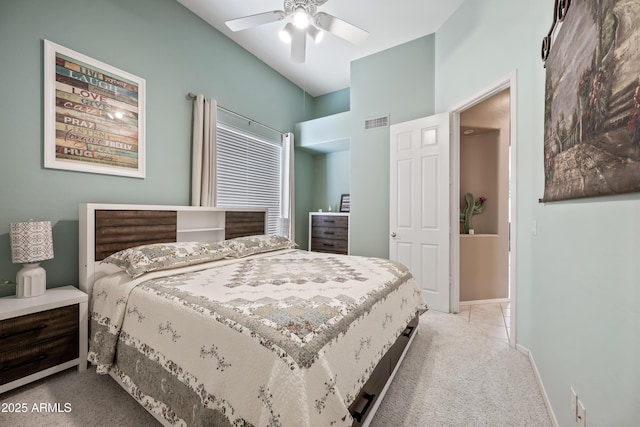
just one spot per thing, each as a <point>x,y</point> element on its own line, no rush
<point>286,338</point>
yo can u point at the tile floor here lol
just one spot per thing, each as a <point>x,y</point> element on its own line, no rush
<point>494,318</point>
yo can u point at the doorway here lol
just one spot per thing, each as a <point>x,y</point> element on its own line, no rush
<point>483,153</point>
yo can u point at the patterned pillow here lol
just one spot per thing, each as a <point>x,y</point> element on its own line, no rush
<point>250,245</point>
<point>161,256</point>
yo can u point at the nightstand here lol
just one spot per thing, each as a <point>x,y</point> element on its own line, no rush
<point>42,335</point>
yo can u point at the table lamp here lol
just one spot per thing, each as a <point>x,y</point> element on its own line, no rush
<point>31,242</point>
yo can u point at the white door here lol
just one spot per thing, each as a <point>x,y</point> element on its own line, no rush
<point>419,204</point>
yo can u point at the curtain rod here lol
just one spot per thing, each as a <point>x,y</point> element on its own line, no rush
<point>250,120</point>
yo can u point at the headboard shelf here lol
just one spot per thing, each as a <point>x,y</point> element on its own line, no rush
<point>197,230</point>
<point>109,228</point>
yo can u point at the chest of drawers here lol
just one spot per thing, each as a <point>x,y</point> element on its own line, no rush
<point>329,232</point>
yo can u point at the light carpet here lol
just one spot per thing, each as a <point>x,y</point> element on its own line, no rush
<point>456,375</point>
<point>453,375</point>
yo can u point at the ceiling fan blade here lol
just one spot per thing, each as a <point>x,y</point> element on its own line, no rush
<point>341,28</point>
<point>251,21</point>
<point>298,45</point>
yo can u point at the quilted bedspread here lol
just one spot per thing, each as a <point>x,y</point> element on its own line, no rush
<point>286,338</point>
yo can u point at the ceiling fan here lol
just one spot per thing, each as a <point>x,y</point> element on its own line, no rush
<point>305,19</point>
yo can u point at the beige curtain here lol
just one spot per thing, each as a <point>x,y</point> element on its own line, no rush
<point>203,164</point>
<point>288,190</point>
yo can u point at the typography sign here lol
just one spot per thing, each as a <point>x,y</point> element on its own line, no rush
<point>94,115</point>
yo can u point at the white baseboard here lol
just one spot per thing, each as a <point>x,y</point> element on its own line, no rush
<point>547,402</point>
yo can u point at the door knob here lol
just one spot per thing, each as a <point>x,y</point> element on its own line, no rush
<point>393,234</point>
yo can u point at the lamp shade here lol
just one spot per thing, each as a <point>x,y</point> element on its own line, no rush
<point>31,241</point>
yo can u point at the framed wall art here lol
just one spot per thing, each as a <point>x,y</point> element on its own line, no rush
<point>345,203</point>
<point>592,101</point>
<point>94,115</point>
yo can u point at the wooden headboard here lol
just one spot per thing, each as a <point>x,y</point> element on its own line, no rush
<point>106,229</point>
<point>121,229</point>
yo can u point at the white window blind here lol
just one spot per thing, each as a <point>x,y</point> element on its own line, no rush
<point>249,173</point>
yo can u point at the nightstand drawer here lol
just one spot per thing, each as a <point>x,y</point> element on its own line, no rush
<point>38,356</point>
<point>24,331</point>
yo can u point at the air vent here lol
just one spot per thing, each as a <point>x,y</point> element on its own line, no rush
<point>377,122</point>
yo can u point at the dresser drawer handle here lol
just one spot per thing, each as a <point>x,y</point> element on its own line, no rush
<point>37,328</point>
<point>329,233</point>
<point>329,220</point>
<point>328,244</point>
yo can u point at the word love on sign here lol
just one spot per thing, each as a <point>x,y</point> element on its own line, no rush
<point>87,94</point>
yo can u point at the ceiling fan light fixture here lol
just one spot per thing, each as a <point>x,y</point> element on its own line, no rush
<point>286,33</point>
<point>300,18</point>
<point>316,34</point>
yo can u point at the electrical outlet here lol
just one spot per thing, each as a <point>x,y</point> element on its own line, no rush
<point>574,405</point>
<point>582,415</point>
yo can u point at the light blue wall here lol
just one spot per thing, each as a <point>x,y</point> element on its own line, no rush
<point>398,82</point>
<point>304,185</point>
<point>338,177</point>
<point>328,134</point>
<point>325,134</point>
<point>332,103</point>
<point>331,179</point>
<point>159,40</point>
<point>577,279</point>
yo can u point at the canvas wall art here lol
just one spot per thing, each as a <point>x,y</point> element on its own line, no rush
<point>592,102</point>
<point>94,115</point>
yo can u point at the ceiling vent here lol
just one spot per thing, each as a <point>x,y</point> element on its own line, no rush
<point>377,122</point>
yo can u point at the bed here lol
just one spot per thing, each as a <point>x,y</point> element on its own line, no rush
<point>210,322</point>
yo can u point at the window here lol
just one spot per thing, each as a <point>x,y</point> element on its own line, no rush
<point>249,173</point>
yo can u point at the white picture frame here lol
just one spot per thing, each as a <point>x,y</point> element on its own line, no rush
<point>94,115</point>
